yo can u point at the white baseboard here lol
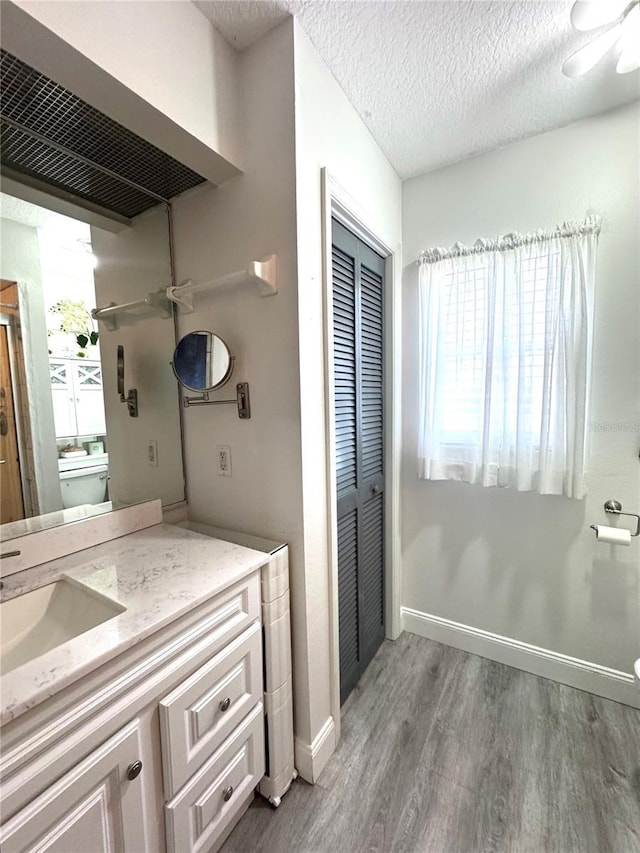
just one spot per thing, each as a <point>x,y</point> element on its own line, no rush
<point>610,683</point>
<point>311,758</point>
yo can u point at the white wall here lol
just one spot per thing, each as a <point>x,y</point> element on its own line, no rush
<point>20,261</point>
<point>522,565</point>
<point>329,134</point>
<point>130,265</point>
<point>160,69</point>
<point>218,231</point>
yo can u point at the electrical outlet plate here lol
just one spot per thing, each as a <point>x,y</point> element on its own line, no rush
<point>224,460</point>
<point>152,452</point>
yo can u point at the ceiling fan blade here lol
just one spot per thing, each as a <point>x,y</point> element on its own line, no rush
<point>629,58</point>
<point>590,14</point>
<point>590,54</point>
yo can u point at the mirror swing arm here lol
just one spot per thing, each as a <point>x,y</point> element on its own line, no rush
<point>241,400</point>
<point>131,399</point>
<point>132,402</point>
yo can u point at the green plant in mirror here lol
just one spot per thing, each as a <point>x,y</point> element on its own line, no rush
<point>83,341</point>
<point>75,320</point>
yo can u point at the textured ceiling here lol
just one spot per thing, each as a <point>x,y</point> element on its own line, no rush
<point>437,82</point>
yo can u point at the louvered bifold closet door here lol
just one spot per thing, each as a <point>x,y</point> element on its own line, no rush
<point>358,302</point>
<point>372,439</point>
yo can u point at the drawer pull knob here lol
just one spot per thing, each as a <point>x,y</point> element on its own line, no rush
<point>227,793</point>
<point>134,770</point>
<point>224,705</point>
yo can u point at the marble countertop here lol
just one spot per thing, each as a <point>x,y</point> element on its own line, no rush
<point>15,529</point>
<point>157,574</point>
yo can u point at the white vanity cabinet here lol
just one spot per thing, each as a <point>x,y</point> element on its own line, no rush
<point>185,704</point>
<point>93,807</point>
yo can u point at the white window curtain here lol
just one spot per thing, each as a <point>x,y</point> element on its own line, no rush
<point>505,353</point>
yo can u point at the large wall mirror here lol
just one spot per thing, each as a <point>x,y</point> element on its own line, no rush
<point>67,439</point>
<point>98,235</point>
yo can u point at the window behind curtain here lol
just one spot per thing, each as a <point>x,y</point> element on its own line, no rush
<point>467,309</point>
<point>505,348</point>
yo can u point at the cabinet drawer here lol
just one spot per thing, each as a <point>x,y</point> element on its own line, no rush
<point>197,818</point>
<point>201,712</point>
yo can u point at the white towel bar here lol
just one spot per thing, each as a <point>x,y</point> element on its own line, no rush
<point>263,273</point>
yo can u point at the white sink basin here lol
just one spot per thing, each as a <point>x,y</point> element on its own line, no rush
<point>33,623</point>
<point>636,669</point>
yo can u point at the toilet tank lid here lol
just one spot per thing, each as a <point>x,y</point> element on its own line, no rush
<point>88,461</point>
<point>83,472</point>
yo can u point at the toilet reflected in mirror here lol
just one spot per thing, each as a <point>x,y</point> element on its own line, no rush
<point>202,361</point>
<point>84,481</point>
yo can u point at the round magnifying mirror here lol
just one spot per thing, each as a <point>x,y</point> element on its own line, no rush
<point>202,361</point>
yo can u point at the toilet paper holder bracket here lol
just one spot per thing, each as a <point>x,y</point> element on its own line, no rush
<point>614,507</point>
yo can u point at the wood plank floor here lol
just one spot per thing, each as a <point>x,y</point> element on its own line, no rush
<point>446,752</point>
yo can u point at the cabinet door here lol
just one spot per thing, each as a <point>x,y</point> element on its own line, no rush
<point>89,398</point>
<point>93,808</point>
<point>78,401</point>
<point>62,394</point>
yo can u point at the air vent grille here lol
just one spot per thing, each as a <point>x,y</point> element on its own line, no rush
<point>34,104</point>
